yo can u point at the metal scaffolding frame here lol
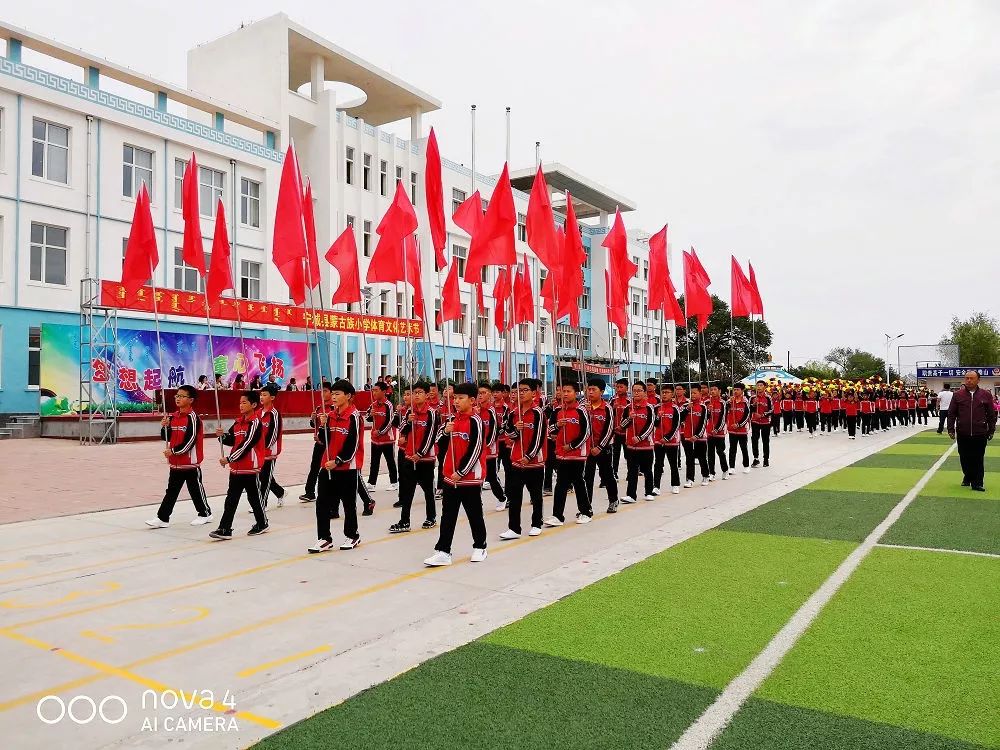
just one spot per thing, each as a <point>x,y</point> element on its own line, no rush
<point>98,419</point>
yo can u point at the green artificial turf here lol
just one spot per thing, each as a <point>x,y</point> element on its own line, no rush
<point>483,696</point>
<point>915,449</point>
<point>910,641</point>
<point>921,461</point>
<point>822,514</point>
<point>697,612</point>
<point>948,523</point>
<point>928,436</point>
<point>949,484</point>
<point>990,463</point>
<point>763,725</point>
<point>852,479</point>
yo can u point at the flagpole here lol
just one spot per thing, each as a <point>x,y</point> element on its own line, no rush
<point>538,278</point>
<point>732,346</point>
<point>326,440</point>
<point>211,354</point>
<point>509,337</point>
<point>687,341</point>
<point>473,323</point>
<point>159,348</point>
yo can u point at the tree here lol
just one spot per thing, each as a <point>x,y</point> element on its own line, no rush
<point>717,349</point>
<point>855,364</point>
<point>978,340</point>
<point>815,369</point>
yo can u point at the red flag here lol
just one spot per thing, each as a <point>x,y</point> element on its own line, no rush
<point>573,260</point>
<point>480,302</point>
<point>386,265</point>
<point>758,304</point>
<point>524,303</point>
<point>451,299</point>
<point>469,214</point>
<point>343,255</point>
<point>493,243</point>
<point>435,201</point>
<point>289,245</point>
<point>540,222</point>
<point>697,300</point>
<point>501,293</point>
<point>621,271</point>
<point>413,274</point>
<point>741,295</point>
<point>193,250</point>
<point>220,276</point>
<point>553,279</point>
<point>658,270</point>
<point>141,255</point>
<point>313,271</point>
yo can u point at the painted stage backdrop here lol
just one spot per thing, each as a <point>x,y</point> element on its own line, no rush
<point>135,374</point>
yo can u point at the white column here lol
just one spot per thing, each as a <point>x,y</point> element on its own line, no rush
<point>416,126</point>
<point>317,75</point>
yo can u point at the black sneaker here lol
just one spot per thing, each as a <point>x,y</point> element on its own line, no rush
<point>279,493</point>
<point>398,504</point>
<point>307,498</point>
<point>430,523</point>
<point>755,464</point>
<point>221,534</point>
<point>257,529</point>
<point>613,507</point>
<point>766,464</point>
<point>334,516</point>
<point>979,488</point>
<point>399,528</point>
<point>369,509</point>
<point>966,483</point>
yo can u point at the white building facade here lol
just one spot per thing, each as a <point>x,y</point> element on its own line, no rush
<point>79,135</point>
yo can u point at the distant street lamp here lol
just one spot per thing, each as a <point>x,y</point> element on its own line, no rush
<point>888,340</point>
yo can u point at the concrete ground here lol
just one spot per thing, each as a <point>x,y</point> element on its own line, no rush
<point>216,644</point>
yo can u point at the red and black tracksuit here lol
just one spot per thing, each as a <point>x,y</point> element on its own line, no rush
<point>788,414</point>
<point>811,409</point>
<point>618,404</point>
<point>273,427</point>
<point>694,438</point>
<point>185,438</point>
<point>527,463</point>
<point>851,407</point>
<point>717,435</point>
<point>738,423</point>
<point>465,459</point>
<point>761,411</point>
<point>491,446</point>
<point>800,407</point>
<point>382,415</point>
<point>245,462</point>
<point>343,437</point>
<point>825,414</point>
<point>418,454</point>
<point>867,412</point>
<point>667,438</point>
<point>640,424</point>
<point>319,448</point>
<point>922,409</point>
<point>602,432</point>
<point>572,439</point>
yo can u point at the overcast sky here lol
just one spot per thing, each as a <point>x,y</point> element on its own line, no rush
<point>849,149</point>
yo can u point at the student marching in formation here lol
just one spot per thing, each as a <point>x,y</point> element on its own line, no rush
<point>273,427</point>
<point>491,442</point>
<point>717,408</point>
<point>382,415</point>
<point>245,461</point>
<point>570,429</point>
<point>761,414</point>
<point>619,402</point>
<point>319,447</point>
<point>694,438</point>
<point>526,427</point>
<point>464,472</point>
<point>183,433</point>
<point>738,414</point>
<point>667,438</point>
<point>417,456</point>
<point>602,430</point>
<point>639,421</point>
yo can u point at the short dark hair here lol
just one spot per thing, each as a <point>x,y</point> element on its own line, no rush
<point>422,385</point>
<point>466,389</point>
<point>252,396</point>
<point>272,388</point>
<point>189,390</point>
<point>595,383</point>
<point>380,385</point>
<point>327,386</point>
<point>571,384</point>
<point>650,381</point>
<point>703,384</point>
<point>761,382</point>
<point>529,382</point>
<point>201,379</point>
<point>487,385</point>
<point>640,384</point>
<point>737,385</point>
<point>621,381</point>
<point>343,386</point>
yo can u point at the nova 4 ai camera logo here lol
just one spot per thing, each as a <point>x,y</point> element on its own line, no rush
<point>82,709</point>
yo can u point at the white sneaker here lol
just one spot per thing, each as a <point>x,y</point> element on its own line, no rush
<point>725,476</point>
<point>535,531</point>
<point>675,490</point>
<point>322,545</point>
<point>394,487</point>
<point>656,490</point>
<point>650,497</point>
<point>628,500</point>
<point>581,518</point>
<point>486,486</point>
<point>280,501</point>
<point>509,534</point>
<point>553,521</point>
<point>369,486</point>
<point>438,559</point>
<point>478,555</point>
<point>732,471</point>
<point>746,469</point>
<point>156,523</point>
<point>704,482</point>
<point>501,505</point>
<point>711,478</point>
<point>200,520</point>
<point>350,543</point>
<point>688,484</point>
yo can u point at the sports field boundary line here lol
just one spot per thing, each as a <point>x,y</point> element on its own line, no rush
<point>707,727</point>
<point>938,549</point>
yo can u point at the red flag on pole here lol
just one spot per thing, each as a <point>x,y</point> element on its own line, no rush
<point>741,294</point>
<point>540,222</point>
<point>343,255</point>
<point>524,303</point>
<point>621,271</point>
<point>574,259</point>
<point>193,251</point>
<point>141,255</point>
<point>758,304</point>
<point>493,243</point>
<point>554,277</point>
<point>480,301</point>
<point>220,276</point>
<point>696,297</point>
<point>469,214</point>
<point>386,265</point>
<point>658,270</point>
<point>413,274</point>
<point>435,201</point>
<point>451,300</point>
<point>313,271</point>
<point>289,245</point>
<point>501,293</point>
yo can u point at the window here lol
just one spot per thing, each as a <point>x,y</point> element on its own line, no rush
<point>486,204</point>
<point>187,277</point>
<point>366,171</point>
<point>179,166</point>
<point>399,364</point>
<point>645,270</point>
<point>249,279</point>
<point>438,369</point>
<point>350,367</point>
<point>50,151</point>
<point>586,257</point>
<point>1,138</point>
<point>399,305</point>
<point>210,184</point>
<point>437,314</point>
<point>383,303</point>
<point>635,346</point>
<point>48,254</point>
<point>522,332</point>
<point>137,169</point>
<point>656,346</point>
<point>585,299</point>
<point>570,337</point>
<point>350,220</point>
<point>458,370</point>
<point>522,227</point>
<point>484,274</point>
<point>249,203</point>
<point>413,188</point>
<point>458,255</point>
<point>349,165</point>
<point>482,370</point>
<point>399,174</point>
<point>383,177</point>
<point>483,322</point>
<point>522,370</point>
<point>383,365</point>
<point>366,238</point>
<point>458,325</point>
<point>635,305</point>
<point>34,357</point>
<point>457,199</point>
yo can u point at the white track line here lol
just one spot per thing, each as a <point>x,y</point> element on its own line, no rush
<point>716,717</point>
<point>939,549</point>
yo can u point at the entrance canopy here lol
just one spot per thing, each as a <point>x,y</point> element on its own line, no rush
<point>771,371</point>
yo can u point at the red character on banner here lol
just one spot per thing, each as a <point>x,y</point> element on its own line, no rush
<point>277,367</point>
<point>261,361</point>
<point>151,380</point>
<point>127,379</point>
<point>100,368</point>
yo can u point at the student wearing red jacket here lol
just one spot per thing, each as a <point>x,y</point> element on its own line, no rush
<point>491,441</point>
<point>602,430</point>
<point>825,413</point>
<point>867,408</point>
<point>694,438</point>
<point>382,415</point>
<point>810,411</point>
<point>716,433</point>
<point>464,472</point>
<point>911,408</point>
<point>851,409</point>
<point>183,434</point>
<point>344,436</point>
<point>619,403</point>
<point>639,421</point>
<point>501,405</point>
<point>667,436</point>
<point>882,412</point>
<point>571,431</point>
<point>787,411</point>
<point>319,447</point>
<point>272,428</point>
<point>738,423</point>
<point>244,461</point>
<point>775,394</point>
<point>922,404</point>
<point>526,428</point>
<point>418,444</point>
<point>761,411</point>
<point>800,408</point>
